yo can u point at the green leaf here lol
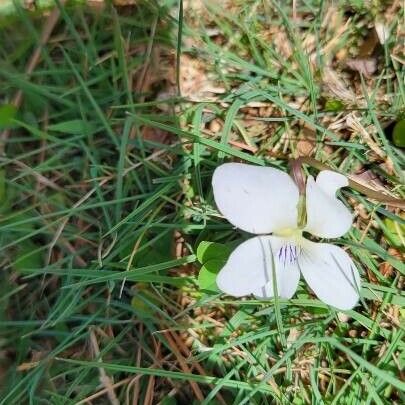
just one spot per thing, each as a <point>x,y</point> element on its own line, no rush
<point>28,257</point>
<point>73,127</point>
<point>239,318</point>
<point>212,250</point>
<point>334,105</point>
<point>395,232</point>
<point>169,401</point>
<point>213,257</point>
<point>212,402</point>
<point>2,186</point>
<point>160,251</point>
<point>20,222</point>
<point>398,134</point>
<point>144,301</point>
<point>208,274</point>
<point>157,252</point>
<point>7,115</point>
<point>298,401</point>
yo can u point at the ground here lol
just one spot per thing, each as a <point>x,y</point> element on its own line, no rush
<point>112,120</point>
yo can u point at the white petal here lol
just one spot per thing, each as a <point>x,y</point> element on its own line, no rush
<point>249,269</point>
<point>383,32</point>
<point>331,274</point>
<point>327,217</point>
<point>255,199</point>
<point>287,283</point>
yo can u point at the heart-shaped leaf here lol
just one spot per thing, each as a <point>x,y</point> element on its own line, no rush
<point>208,274</point>
<point>213,257</point>
<point>212,250</point>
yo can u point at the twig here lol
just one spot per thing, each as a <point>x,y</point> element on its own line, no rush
<point>39,177</point>
<point>375,195</point>
<point>104,378</point>
<point>186,352</point>
<point>184,366</point>
<point>151,383</point>
<point>103,391</point>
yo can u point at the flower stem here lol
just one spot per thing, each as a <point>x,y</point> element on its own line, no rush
<point>299,178</point>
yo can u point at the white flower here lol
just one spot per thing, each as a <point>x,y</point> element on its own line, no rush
<point>264,201</point>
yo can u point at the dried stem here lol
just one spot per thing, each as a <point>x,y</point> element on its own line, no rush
<point>104,378</point>
<point>375,195</point>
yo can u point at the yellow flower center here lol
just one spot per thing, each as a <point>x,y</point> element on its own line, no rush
<point>291,233</point>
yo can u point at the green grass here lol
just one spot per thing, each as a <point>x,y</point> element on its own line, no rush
<point>100,222</point>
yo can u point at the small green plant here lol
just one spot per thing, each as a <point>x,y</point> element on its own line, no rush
<point>212,256</point>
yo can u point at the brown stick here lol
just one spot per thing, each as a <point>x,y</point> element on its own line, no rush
<point>103,391</point>
<point>186,352</point>
<point>184,366</point>
<point>104,378</point>
<point>375,195</point>
<point>151,383</point>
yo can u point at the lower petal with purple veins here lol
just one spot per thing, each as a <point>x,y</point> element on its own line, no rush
<point>255,264</point>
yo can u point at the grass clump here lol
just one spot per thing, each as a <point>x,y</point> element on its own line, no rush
<point>105,197</point>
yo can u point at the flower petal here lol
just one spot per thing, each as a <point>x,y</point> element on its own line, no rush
<point>287,283</point>
<point>249,269</point>
<point>331,274</point>
<point>255,199</point>
<point>327,217</point>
